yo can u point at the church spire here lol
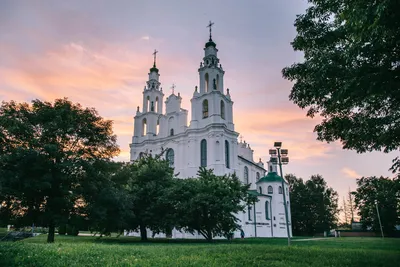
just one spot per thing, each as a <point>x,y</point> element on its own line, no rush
<point>210,41</point>
<point>154,68</point>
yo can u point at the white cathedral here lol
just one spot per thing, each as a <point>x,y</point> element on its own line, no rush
<point>210,141</point>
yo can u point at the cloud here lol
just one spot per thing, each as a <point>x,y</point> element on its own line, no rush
<point>350,173</point>
<point>145,38</point>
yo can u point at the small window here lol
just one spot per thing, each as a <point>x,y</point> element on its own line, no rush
<point>257,176</point>
<point>270,168</point>
<point>205,109</point>
<point>227,154</point>
<point>144,127</point>
<point>222,109</point>
<point>270,190</point>
<point>280,190</point>
<point>170,157</point>
<point>246,175</point>
<point>203,153</point>
<point>260,189</point>
<point>171,132</point>
<point>249,212</point>
<point>267,210</point>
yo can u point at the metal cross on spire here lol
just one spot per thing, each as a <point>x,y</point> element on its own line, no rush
<point>173,88</point>
<point>155,55</point>
<point>209,26</point>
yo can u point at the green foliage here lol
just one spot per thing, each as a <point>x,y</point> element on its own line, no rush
<point>207,204</point>
<point>385,192</point>
<point>150,178</point>
<point>72,230</point>
<point>91,251</point>
<point>44,150</point>
<point>351,72</point>
<point>314,205</point>
<point>62,229</point>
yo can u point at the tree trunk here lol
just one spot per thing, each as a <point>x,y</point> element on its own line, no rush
<point>209,235</point>
<point>50,236</point>
<point>143,233</point>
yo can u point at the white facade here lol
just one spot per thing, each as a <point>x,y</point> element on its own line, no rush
<point>209,140</point>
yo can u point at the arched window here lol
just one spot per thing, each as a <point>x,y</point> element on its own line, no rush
<point>246,175</point>
<point>205,108</point>
<point>267,210</point>
<point>280,190</point>
<point>270,190</point>
<point>217,82</point>
<point>158,127</point>
<point>144,127</point>
<point>157,105</point>
<point>257,176</point>
<point>148,103</point>
<point>227,154</point>
<point>222,109</point>
<point>203,153</point>
<point>260,189</point>
<point>152,106</point>
<point>170,157</point>
<point>140,155</point>
<point>206,78</point>
<point>171,132</point>
<point>270,168</point>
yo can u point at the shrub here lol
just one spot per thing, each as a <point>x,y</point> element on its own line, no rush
<point>62,229</point>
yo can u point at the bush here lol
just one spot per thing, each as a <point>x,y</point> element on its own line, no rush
<point>62,230</point>
<point>72,230</point>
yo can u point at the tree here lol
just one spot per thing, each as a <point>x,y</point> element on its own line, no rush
<point>314,205</point>
<point>351,72</point>
<point>45,148</point>
<point>150,179</point>
<point>386,193</point>
<point>208,204</point>
<point>106,198</point>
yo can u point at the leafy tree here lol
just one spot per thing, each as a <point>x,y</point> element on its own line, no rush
<point>314,205</point>
<point>208,204</point>
<point>386,193</point>
<point>106,199</point>
<point>44,149</point>
<point>351,72</point>
<point>150,179</point>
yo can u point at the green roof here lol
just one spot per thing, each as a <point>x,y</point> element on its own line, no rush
<point>256,193</point>
<point>270,177</point>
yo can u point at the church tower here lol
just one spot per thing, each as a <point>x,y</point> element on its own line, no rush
<point>147,120</point>
<point>210,103</point>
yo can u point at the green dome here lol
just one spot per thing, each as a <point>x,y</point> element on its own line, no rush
<point>154,69</point>
<point>211,43</point>
<point>271,177</point>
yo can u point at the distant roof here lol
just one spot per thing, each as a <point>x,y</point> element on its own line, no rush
<point>256,193</point>
<point>271,177</point>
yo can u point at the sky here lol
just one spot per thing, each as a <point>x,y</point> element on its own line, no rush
<point>98,53</point>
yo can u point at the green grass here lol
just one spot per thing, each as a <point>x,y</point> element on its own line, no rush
<point>129,251</point>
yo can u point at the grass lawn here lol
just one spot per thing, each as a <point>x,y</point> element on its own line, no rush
<point>128,251</point>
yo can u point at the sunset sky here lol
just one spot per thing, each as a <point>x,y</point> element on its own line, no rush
<point>98,53</point>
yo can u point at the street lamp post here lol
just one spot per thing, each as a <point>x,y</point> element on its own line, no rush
<point>282,159</point>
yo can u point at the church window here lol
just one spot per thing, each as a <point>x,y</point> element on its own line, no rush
<point>260,189</point>
<point>152,106</point>
<point>280,190</point>
<point>170,157</point>
<point>205,108</point>
<point>249,213</point>
<point>144,127</point>
<point>267,210</point>
<point>157,105</point>
<point>246,175</point>
<point>206,78</point>
<point>140,155</point>
<point>222,109</point>
<point>257,176</point>
<point>214,84</point>
<point>171,132</point>
<point>227,154</point>
<point>270,190</point>
<point>203,153</point>
<point>158,127</point>
<point>148,103</point>
<point>270,168</point>
<point>217,81</point>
